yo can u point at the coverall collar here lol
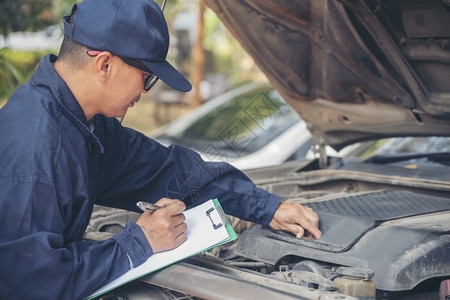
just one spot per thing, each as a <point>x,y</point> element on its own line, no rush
<point>46,75</point>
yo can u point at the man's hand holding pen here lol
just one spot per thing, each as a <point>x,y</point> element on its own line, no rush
<point>163,224</point>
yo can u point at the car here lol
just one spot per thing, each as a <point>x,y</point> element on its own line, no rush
<point>371,73</point>
<point>249,126</point>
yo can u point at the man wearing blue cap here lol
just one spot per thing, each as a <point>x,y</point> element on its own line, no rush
<point>63,150</point>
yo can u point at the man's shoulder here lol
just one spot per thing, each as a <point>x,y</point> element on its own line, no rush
<point>28,124</point>
<point>28,109</point>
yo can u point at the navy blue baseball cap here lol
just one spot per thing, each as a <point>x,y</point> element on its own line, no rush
<point>128,28</point>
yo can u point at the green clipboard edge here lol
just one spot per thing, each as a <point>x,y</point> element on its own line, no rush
<point>231,233</point>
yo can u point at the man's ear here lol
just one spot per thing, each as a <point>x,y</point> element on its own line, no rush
<point>102,65</point>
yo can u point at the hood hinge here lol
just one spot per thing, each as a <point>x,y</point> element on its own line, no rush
<point>320,153</point>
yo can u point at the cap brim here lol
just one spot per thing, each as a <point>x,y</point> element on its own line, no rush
<point>167,73</point>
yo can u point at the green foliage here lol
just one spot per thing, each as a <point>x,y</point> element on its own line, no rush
<point>10,77</point>
<point>25,61</point>
<point>25,15</point>
<point>16,67</point>
<point>229,56</point>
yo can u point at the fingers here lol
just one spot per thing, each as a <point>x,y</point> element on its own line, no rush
<point>181,237</point>
<point>311,229</point>
<point>298,231</point>
<point>297,219</point>
<point>169,207</point>
<point>310,222</point>
<point>164,228</point>
<point>177,236</point>
<point>176,206</point>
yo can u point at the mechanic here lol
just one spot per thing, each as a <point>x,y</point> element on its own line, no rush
<point>63,149</point>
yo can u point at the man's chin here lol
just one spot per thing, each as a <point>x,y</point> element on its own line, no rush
<point>121,114</point>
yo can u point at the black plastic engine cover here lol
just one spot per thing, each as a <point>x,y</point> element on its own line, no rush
<point>404,237</point>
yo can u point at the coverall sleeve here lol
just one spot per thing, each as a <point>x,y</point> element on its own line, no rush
<point>39,255</point>
<point>139,168</point>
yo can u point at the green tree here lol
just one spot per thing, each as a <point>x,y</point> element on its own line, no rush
<point>25,15</point>
<point>10,77</point>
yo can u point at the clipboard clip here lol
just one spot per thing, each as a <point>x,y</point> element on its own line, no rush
<point>223,218</point>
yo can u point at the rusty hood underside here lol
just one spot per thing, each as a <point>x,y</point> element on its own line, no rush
<point>354,70</point>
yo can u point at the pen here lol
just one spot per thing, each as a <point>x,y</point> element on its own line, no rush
<point>146,206</point>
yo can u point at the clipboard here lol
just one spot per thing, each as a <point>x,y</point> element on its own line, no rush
<point>207,227</point>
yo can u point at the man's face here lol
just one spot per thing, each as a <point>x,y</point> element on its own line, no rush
<point>124,89</point>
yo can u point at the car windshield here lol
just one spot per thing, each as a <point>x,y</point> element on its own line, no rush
<point>240,126</point>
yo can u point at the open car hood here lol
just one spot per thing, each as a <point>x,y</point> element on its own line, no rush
<point>354,70</point>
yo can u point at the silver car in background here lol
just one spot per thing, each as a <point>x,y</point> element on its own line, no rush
<point>250,126</point>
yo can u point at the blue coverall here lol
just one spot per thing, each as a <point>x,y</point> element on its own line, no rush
<point>55,164</point>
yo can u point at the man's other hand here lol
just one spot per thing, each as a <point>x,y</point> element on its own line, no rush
<point>165,228</point>
<point>297,219</point>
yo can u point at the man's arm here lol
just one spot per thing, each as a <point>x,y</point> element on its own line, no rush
<point>137,168</point>
<point>40,256</point>
<point>178,172</point>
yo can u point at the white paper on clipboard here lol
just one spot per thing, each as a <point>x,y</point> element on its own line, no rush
<point>206,228</point>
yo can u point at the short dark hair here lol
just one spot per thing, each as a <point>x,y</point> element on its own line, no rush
<point>72,53</point>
